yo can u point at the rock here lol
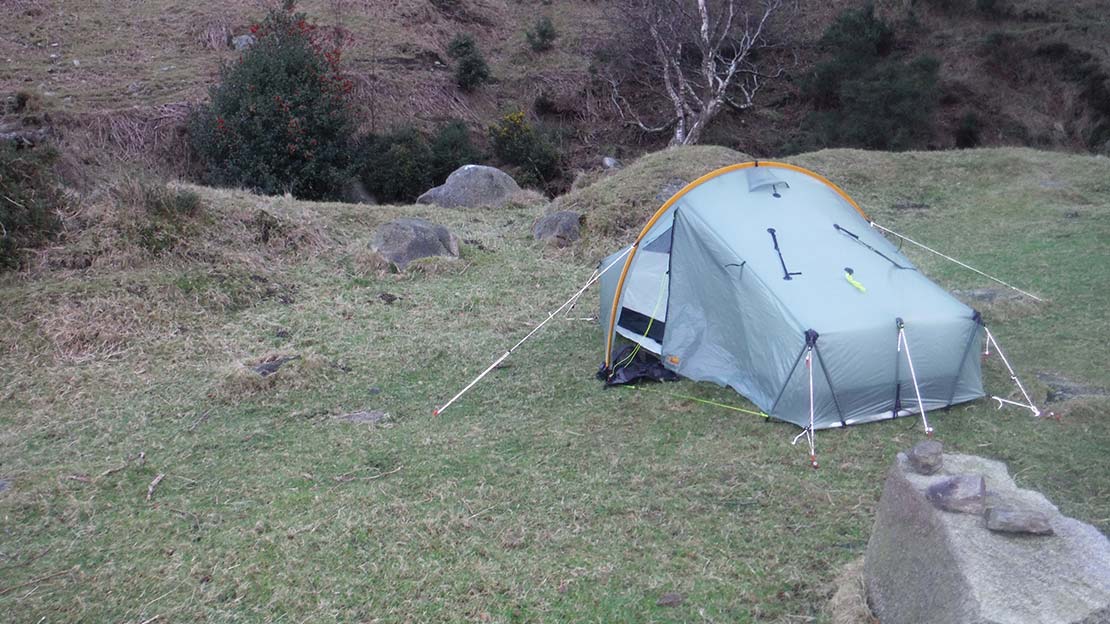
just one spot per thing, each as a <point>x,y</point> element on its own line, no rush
<point>355,193</point>
<point>925,565</point>
<point>1017,521</point>
<point>242,42</point>
<point>404,240</point>
<point>610,163</point>
<point>5,484</point>
<point>387,298</point>
<point>669,188</point>
<point>558,228</point>
<point>471,186</point>
<point>23,135</point>
<point>926,457</point>
<point>373,417</point>
<point>670,599</point>
<point>962,494</point>
<point>271,366</point>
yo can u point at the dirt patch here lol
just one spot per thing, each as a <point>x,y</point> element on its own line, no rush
<point>370,417</point>
<point>1061,389</point>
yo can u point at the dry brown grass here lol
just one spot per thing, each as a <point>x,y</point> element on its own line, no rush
<point>848,604</point>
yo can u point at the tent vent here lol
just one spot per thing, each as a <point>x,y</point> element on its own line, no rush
<point>763,178</point>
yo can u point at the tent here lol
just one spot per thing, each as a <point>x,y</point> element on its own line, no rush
<point>769,279</point>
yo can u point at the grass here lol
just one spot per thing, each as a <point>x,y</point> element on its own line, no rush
<point>539,496</point>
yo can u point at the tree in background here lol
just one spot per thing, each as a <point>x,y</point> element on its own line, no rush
<point>471,69</point>
<point>280,118</point>
<point>704,55</point>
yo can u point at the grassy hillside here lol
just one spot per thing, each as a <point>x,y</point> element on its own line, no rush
<point>540,496</point>
<point>118,77</point>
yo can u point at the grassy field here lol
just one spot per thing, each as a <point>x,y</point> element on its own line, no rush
<point>538,497</point>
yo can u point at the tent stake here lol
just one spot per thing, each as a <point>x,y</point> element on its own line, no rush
<point>951,259</point>
<point>574,298</point>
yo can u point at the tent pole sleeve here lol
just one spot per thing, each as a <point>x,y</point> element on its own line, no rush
<point>596,276</point>
<point>674,198</point>
<point>963,359</point>
<point>951,259</point>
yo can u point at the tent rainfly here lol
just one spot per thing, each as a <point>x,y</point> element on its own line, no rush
<point>767,278</point>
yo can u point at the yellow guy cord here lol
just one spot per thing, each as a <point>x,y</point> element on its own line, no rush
<point>697,400</point>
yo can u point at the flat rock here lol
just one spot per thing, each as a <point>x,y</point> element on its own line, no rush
<point>242,42</point>
<point>965,493</point>
<point>271,366</point>
<point>927,565</point>
<point>5,484</point>
<point>372,417</point>
<point>926,457</point>
<point>472,186</point>
<point>404,240</point>
<point>558,228</point>
<point>670,599</point>
<point>669,188</point>
<point>1060,388</point>
<point>1006,520</point>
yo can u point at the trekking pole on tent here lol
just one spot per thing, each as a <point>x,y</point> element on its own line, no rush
<point>902,342</point>
<point>1013,377</point>
<point>809,433</point>
<point>596,276</point>
<point>951,259</point>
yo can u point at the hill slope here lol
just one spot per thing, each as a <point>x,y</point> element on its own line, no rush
<point>538,496</point>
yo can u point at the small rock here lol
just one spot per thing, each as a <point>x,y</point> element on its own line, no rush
<point>608,162</point>
<point>372,417</point>
<point>283,333</point>
<point>926,457</point>
<point>405,240</point>
<point>270,367</point>
<point>670,599</point>
<point>1017,521</point>
<point>5,484</point>
<point>962,494</point>
<point>558,228</point>
<point>242,42</point>
<point>374,390</point>
<point>387,298</point>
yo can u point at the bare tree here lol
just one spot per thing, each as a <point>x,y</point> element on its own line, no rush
<point>703,54</point>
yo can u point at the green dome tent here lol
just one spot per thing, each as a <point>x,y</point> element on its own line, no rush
<point>767,278</point>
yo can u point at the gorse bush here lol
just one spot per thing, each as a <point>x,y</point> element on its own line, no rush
<point>30,200</point>
<point>280,118</point>
<point>471,69</point>
<point>862,96</point>
<point>399,166</point>
<point>542,36</point>
<point>516,142</point>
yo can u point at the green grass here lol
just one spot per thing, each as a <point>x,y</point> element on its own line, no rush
<point>538,497</point>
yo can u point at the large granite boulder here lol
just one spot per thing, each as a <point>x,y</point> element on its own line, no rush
<point>471,186</point>
<point>925,564</point>
<point>404,240</point>
<point>559,228</point>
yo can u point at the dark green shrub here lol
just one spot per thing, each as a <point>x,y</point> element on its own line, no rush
<point>280,118</point>
<point>451,148</point>
<point>967,132</point>
<point>170,203</point>
<point>516,142</point>
<point>856,41</point>
<point>396,167</point>
<point>471,69</point>
<point>542,36</point>
<point>29,201</point>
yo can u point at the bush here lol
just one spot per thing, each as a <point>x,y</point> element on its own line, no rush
<point>857,41</point>
<point>542,35</point>
<point>401,165</point>
<point>516,142</point>
<point>967,132</point>
<point>471,69</point>
<point>451,149</point>
<point>30,200</point>
<point>280,118</point>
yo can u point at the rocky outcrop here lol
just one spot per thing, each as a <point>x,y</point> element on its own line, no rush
<point>560,228</point>
<point>404,240</point>
<point>472,186</point>
<point>925,564</point>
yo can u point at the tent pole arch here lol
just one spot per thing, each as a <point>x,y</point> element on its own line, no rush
<point>677,196</point>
